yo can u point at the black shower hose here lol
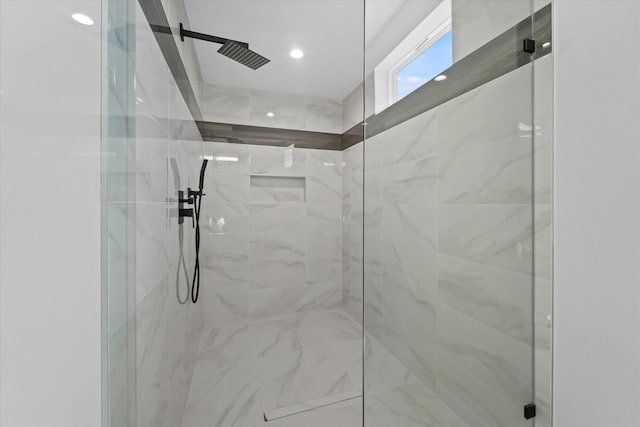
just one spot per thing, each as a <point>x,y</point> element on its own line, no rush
<point>197,204</point>
<point>195,285</point>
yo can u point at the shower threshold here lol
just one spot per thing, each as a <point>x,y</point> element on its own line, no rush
<point>286,411</point>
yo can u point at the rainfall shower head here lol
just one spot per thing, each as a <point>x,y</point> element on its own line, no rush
<point>245,56</point>
<point>238,51</point>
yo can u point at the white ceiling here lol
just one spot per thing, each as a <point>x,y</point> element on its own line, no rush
<point>330,33</point>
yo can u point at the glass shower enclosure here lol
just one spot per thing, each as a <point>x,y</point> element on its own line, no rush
<point>374,231</point>
<point>455,220</point>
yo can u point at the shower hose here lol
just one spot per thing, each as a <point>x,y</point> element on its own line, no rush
<point>197,204</point>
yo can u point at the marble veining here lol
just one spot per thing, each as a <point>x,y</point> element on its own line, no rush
<point>455,218</point>
<point>276,274</point>
<point>226,189</point>
<point>411,182</point>
<point>498,235</point>
<point>496,297</point>
<point>276,217</point>
<point>250,107</point>
<point>278,161</point>
<point>497,173</point>
<point>502,363</point>
<point>413,405</point>
<point>448,263</point>
<point>300,376</point>
<point>269,363</point>
<point>283,334</point>
<point>276,300</point>
<point>273,246</point>
<point>224,218</point>
<point>227,276</point>
<point>224,394</point>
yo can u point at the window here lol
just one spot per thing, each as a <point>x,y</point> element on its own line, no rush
<point>424,54</point>
<point>432,61</point>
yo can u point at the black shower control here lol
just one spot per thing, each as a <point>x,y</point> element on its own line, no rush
<point>182,211</point>
<point>529,411</point>
<point>193,193</point>
<point>186,213</point>
<point>529,45</point>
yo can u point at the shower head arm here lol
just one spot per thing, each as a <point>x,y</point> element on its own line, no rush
<point>206,37</point>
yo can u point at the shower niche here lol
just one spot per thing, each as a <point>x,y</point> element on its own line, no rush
<point>269,188</point>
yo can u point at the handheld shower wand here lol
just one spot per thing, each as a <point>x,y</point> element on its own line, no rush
<point>196,198</point>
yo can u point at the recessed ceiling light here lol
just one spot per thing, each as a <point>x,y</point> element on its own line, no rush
<point>546,45</point>
<point>440,78</point>
<point>296,53</point>
<point>83,19</point>
<point>270,114</point>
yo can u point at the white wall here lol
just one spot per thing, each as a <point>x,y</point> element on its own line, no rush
<point>50,82</point>
<point>597,213</point>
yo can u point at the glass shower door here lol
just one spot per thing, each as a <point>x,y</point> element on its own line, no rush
<point>450,214</point>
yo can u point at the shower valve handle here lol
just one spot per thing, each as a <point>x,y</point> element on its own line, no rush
<point>187,213</point>
<point>182,212</point>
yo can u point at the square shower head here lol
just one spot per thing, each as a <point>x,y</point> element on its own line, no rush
<point>241,53</point>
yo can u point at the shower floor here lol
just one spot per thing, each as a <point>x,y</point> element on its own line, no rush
<point>277,365</point>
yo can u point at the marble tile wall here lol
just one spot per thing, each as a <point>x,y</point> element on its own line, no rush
<point>177,13</point>
<point>247,106</point>
<point>353,109</point>
<point>474,23</point>
<point>352,230</point>
<point>167,153</point>
<point>457,235</point>
<point>272,231</point>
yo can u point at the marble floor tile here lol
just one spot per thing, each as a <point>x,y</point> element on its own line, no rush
<point>383,370</point>
<point>329,400</point>
<point>230,342</point>
<point>300,376</point>
<point>477,403</point>
<point>302,419</point>
<point>412,405</point>
<point>225,395</point>
<point>343,414</point>
<point>336,326</point>
<point>287,333</point>
<point>290,361</point>
<point>275,301</point>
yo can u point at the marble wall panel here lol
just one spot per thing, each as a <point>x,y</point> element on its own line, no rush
<point>245,106</point>
<point>455,245</point>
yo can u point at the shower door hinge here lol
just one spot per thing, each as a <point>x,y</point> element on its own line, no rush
<point>529,411</point>
<point>529,45</point>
